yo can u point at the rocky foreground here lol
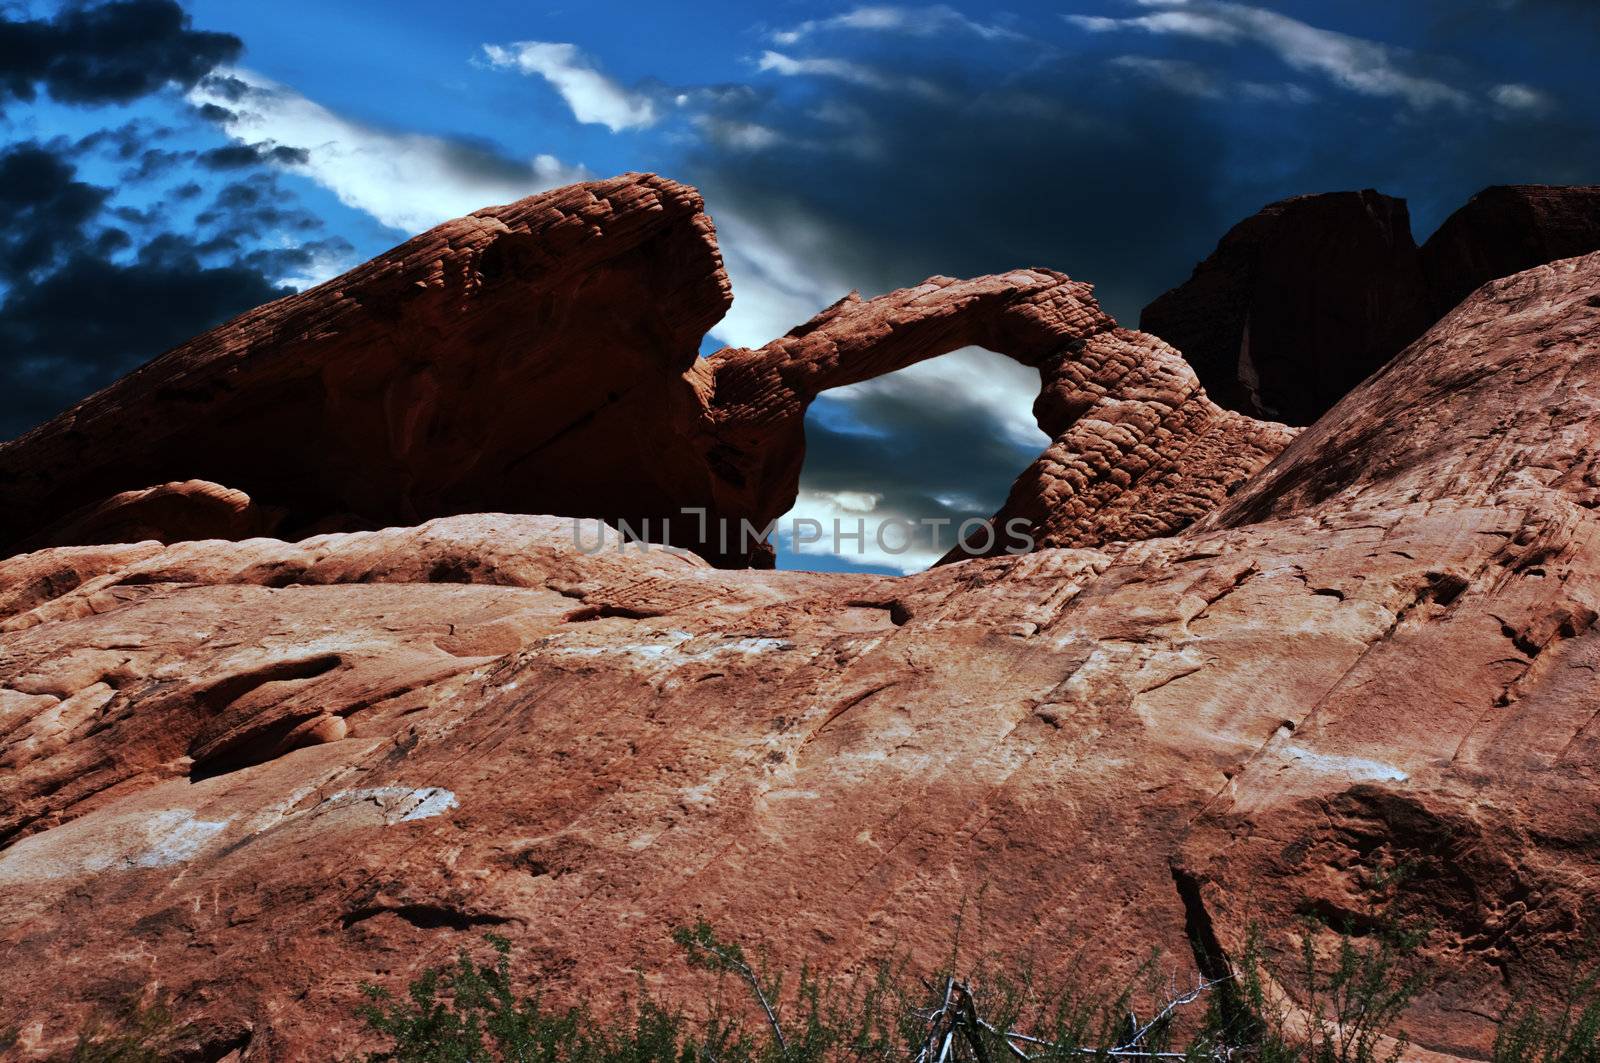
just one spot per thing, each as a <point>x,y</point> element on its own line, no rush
<point>260,772</point>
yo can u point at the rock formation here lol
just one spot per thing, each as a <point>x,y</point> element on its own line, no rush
<point>1298,304</point>
<point>1506,229</point>
<point>262,772</point>
<point>541,358</point>
<point>1138,449</point>
<point>1310,296</point>
<point>534,353</point>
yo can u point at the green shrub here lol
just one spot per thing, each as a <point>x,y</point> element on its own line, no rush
<point>139,1031</point>
<point>1570,1035</point>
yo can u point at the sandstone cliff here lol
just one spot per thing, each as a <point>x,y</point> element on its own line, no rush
<point>1299,303</point>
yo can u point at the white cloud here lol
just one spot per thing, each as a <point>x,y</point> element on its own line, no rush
<point>1357,64</point>
<point>985,388</point>
<point>774,264</point>
<point>1515,97</point>
<point>737,135</point>
<point>844,70</point>
<point>911,21</point>
<point>1000,389</point>
<point>852,528</point>
<point>1094,23</point>
<point>593,97</point>
<point>405,180</point>
<point>1190,79</point>
<point>1193,79</point>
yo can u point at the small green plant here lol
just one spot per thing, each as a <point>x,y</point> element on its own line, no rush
<point>1350,1002</point>
<point>467,1012</point>
<point>1351,1005</point>
<point>143,1029</point>
<point>1570,1035</point>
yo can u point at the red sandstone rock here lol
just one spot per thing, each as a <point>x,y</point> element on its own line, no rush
<point>174,512</point>
<point>541,357</point>
<point>1299,303</point>
<point>263,772</point>
<point>1138,450</point>
<point>1504,230</point>
<point>526,357</point>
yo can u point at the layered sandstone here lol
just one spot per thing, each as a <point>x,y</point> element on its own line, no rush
<point>542,358</point>
<point>1137,451</point>
<point>262,772</point>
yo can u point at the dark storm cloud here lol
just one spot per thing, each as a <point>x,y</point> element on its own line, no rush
<point>930,455</point>
<point>107,53</point>
<point>243,156</point>
<point>153,162</point>
<point>82,306</point>
<point>93,320</point>
<point>44,209</point>
<point>1108,179</point>
<point>87,293</point>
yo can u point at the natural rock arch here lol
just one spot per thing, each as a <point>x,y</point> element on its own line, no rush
<point>541,357</point>
<point>1137,450</point>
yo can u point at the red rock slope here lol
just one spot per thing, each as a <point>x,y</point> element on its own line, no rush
<point>262,772</point>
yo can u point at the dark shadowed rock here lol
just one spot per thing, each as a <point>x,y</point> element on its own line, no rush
<point>1507,229</point>
<point>1298,304</point>
<point>1303,300</point>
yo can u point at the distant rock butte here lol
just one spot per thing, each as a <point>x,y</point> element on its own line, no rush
<point>541,358</point>
<point>261,772</point>
<point>1507,229</point>
<point>1311,295</point>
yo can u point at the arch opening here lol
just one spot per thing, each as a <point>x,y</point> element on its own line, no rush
<point>896,466</point>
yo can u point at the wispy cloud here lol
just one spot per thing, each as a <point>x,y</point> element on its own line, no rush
<point>1179,75</point>
<point>1354,63</point>
<point>1202,82</point>
<point>593,97</point>
<point>844,70</point>
<point>409,181</point>
<point>909,21</point>
<point>736,134</point>
<point>1524,98</point>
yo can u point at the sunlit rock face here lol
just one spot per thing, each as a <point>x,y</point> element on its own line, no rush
<point>542,357</point>
<point>261,772</point>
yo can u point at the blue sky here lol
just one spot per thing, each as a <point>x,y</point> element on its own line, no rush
<point>182,171</point>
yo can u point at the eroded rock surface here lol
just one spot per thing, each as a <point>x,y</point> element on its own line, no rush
<point>542,358</point>
<point>286,768</point>
<point>1137,449</point>
<point>530,357</point>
